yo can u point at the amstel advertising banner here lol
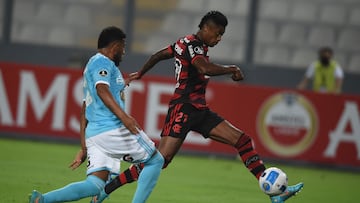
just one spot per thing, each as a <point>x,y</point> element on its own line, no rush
<point>285,124</point>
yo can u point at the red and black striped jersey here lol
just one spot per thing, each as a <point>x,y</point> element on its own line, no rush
<point>191,85</point>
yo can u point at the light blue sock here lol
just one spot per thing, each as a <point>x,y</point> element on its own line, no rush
<point>148,178</point>
<point>75,191</point>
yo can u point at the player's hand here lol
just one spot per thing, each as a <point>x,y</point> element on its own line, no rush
<point>237,75</point>
<point>79,159</point>
<point>131,77</point>
<point>134,76</point>
<point>131,124</point>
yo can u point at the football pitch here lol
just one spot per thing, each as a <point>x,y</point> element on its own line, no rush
<point>26,165</point>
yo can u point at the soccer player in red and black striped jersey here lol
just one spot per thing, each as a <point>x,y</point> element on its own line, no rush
<point>188,109</point>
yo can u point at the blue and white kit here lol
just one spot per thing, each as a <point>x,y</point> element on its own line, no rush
<point>107,140</point>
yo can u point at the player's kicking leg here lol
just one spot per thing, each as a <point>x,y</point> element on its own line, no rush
<point>228,134</point>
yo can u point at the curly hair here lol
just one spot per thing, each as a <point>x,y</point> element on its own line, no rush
<point>214,16</point>
<point>109,35</point>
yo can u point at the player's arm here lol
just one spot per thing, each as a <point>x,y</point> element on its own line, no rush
<point>338,85</point>
<point>83,124</point>
<point>212,69</point>
<point>109,101</point>
<point>163,54</point>
<point>339,78</point>
<point>81,155</point>
<point>308,75</point>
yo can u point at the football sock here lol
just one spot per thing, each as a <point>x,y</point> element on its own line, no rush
<point>75,191</point>
<point>128,176</point>
<point>249,155</point>
<point>148,178</point>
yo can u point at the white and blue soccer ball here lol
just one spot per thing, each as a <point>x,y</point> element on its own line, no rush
<point>273,181</point>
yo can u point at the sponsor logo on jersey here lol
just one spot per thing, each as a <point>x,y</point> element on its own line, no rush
<point>103,73</point>
<point>287,124</point>
<point>191,51</point>
<point>122,96</point>
<point>199,50</point>
<point>119,80</point>
<point>178,49</point>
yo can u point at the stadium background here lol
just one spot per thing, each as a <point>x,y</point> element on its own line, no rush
<point>45,44</point>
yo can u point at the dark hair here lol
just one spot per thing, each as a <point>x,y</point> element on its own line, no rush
<point>216,17</point>
<point>326,49</point>
<point>109,35</point>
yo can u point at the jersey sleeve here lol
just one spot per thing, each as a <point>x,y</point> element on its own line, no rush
<point>170,48</point>
<point>339,73</point>
<point>101,73</point>
<point>310,71</point>
<point>195,49</point>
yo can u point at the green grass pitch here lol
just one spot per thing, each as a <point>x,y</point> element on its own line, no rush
<point>26,165</point>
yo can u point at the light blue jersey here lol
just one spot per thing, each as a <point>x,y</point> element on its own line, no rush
<point>101,70</point>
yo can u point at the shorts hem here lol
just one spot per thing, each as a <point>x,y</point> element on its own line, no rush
<point>98,169</point>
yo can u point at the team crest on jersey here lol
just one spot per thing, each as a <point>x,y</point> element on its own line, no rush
<point>103,73</point>
<point>119,79</point>
<point>199,50</point>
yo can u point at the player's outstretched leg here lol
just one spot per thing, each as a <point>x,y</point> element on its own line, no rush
<point>289,192</point>
<point>228,134</point>
<point>253,162</point>
<point>72,192</point>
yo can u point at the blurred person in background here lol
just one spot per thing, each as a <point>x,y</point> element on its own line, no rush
<point>325,73</point>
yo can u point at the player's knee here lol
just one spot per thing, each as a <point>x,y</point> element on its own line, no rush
<point>95,184</point>
<point>167,159</point>
<point>159,159</point>
<point>166,163</point>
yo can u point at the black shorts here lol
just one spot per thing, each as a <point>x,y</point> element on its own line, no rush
<point>182,118</point>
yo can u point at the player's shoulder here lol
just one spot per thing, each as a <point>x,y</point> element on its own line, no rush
<point>190,40</point>
<point>99,61</point>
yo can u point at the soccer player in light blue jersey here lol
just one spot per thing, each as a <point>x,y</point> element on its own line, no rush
<point>108,134</point>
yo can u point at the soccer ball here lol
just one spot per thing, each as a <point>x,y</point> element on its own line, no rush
<point>273,181</point>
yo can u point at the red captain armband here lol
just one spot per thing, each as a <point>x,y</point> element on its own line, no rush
<point>196,57</point>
